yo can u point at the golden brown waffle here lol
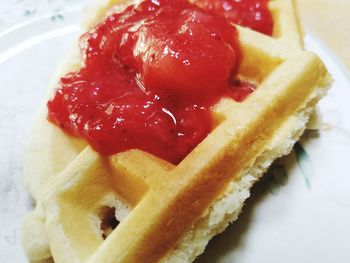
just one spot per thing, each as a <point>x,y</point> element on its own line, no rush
<point>286,22</point>
<point>170,212</point>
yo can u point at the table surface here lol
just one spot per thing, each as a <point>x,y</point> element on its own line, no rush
<point>329,21</point>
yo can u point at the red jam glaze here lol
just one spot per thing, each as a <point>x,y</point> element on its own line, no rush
<point>254,14</point>
<point>149,77</point>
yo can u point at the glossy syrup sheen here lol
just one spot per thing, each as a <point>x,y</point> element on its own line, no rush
<point>149,77</point>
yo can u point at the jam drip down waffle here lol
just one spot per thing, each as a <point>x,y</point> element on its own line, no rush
<point>135,207</point>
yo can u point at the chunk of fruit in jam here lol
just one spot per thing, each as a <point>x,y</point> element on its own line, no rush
<point>192,57</point>
<point>149,77</point>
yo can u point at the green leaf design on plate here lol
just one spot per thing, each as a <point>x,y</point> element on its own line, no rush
<point>57,17</point>
<point>304,163</point>
<point>30,12</point>
<point>278,177</point>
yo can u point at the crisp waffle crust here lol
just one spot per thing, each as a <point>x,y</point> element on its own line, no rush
<point>169,213</point>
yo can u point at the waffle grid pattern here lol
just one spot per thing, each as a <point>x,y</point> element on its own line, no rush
<point>153,199</point>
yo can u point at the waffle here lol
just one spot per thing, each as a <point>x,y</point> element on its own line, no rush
<point>168,213</point>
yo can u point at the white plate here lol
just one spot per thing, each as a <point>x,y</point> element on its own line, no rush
<point>299,213</point>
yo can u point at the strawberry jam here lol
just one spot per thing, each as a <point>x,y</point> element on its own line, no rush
<point>250,13</point>
<point>148,79</point>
